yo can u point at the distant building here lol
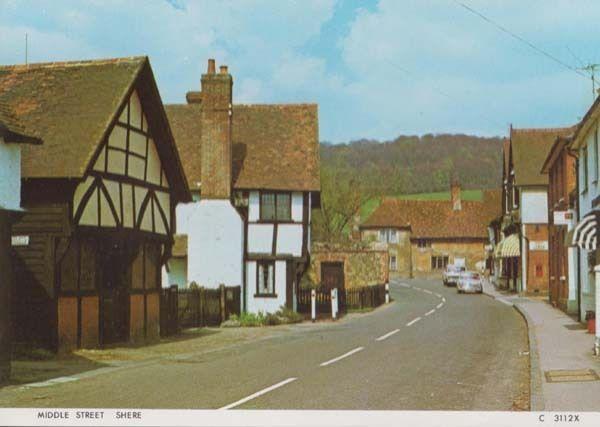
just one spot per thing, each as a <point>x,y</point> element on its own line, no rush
<point>254,175</point>
<point>424,236</point>
<point>12,135</point>
<point>100,196</point>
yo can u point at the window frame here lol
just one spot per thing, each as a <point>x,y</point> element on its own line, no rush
<point>435,262</point>
<point>423,243</point>
<point>595,171</point>
<point>276,195</point>
<point>269,264</point>
<point>393,262</point>
<point>585,172</point>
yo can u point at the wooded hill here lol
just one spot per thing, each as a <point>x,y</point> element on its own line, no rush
<point>413,164</point>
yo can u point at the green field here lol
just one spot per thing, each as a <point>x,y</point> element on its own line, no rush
<point>372,204</point>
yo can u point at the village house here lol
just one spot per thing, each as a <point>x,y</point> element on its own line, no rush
<point>523,249</point>
<point>12,135</point>
<point>100,197</point>
<point>585,236</point>
<point>254,176</point>
<point>424,236</point>
<point>561,167</point>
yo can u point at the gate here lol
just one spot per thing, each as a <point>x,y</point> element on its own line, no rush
<point>332,276</point>
<point>169,311</point>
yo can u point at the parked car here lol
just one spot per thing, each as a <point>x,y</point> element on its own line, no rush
<point>451,274</point>
<point>469,281</point>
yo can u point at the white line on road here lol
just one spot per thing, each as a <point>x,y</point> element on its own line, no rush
<point>430,312</point>
<point>439,305</point>
<point>412,322</point>
<point>427,291</point>
<point>258,393</point>
<point>438,295</point>
<point>350,353</point>
<point>389,334</point>
<point>443,299</point>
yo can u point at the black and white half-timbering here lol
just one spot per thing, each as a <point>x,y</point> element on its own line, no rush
<point>254,175</point>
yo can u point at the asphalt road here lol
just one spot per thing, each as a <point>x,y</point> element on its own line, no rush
<point>430,349</point>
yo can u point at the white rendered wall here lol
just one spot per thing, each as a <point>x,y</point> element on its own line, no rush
<point>534,207</point>
<point>266,304</point>
<point>260,238</point>
<point>215,242</point>
<point>289,239</point>
<point>10,176</point>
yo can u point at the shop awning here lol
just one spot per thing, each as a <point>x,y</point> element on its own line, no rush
<point>508,247</point>
<point>585,235</point>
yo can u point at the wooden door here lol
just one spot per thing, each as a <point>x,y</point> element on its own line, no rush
<point>114,292</point>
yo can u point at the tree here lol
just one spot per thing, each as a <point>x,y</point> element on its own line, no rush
<point>342,195</point>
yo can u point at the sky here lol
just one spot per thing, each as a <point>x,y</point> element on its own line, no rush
<point>376,68</point>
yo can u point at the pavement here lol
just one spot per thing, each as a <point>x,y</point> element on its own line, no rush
<point>431,349</point>
<point>557,342</point>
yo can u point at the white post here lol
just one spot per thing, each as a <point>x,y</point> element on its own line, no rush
<point>333,301</point>
<point>597,298</point>
<point>387,293</point>
<point>313,304</point>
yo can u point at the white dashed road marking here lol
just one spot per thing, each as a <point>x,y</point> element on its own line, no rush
<point>439,305</point>
<point>412,322</point>
<point>438,295</point>
<point>350,353</point>
<point>258,393</point>
<point>389,334</point>
<point>427,291</point>
<point>430,312</point>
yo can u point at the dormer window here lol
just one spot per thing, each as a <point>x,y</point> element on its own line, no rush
<point>275,206</point>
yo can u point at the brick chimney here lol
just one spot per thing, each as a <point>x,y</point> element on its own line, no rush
<point>455,194</point>
<point>215,101</point>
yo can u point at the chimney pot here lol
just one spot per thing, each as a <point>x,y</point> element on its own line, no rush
<point>223,69</point>
<point>211,66</point>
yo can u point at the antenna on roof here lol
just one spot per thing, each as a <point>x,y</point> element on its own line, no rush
<point>26,49</point>
<point>591,68</point>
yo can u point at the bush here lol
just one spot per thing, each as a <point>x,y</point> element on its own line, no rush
<point>289,315</point>
<point>282,316</point>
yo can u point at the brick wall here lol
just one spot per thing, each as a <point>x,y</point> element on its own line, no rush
<point>537,260</point>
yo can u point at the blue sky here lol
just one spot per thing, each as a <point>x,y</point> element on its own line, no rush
<point>377,68</point>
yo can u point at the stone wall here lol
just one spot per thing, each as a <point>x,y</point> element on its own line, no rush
<point>362,266</point>
<point>471,251</point>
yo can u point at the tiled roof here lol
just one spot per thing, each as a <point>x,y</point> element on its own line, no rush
<point>275,146</point>
<point>70,104</point>
<point>12,129</point>
<point>530,148</point>
<point>436,218</point>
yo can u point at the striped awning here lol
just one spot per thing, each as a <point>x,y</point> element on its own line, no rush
<point>586,232</point>
<point>508,247</point>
